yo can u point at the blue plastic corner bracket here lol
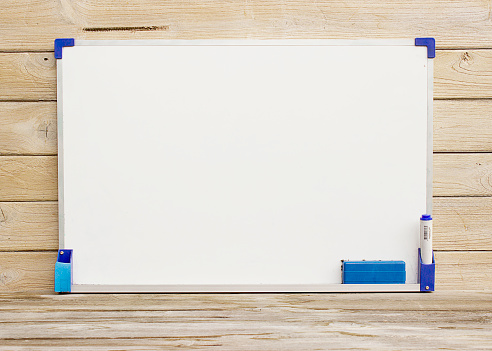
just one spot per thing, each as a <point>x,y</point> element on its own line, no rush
<point>430,43</point>
<point>60,44</point>
<point>63,271</point>
<point>427,274</point>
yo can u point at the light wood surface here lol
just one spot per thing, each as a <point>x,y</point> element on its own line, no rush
<point>27,226</point>
<point>27,271</point>
<point>29,128</point>
<point>463,73</point>
<point>463,125</point>
<point>439,321</point>
<point>463,174</point>
<point>28,178</point>
<point>27,76</point>
<point>457,74</point>
<point>460,223</point>
<point>446,319</point>
<point>456,270</point>
<point>34,178</point>
<point>32,25</point>
<point>462,128</point>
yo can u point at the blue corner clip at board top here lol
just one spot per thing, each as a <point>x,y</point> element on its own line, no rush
<point>430,43</point>
<point>60,44</point>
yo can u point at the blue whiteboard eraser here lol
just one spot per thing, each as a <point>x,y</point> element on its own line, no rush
<point>374,272</point>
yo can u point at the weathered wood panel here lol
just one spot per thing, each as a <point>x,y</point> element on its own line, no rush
<point>438,301</point>
<point>28,178</point>
<point>32,25</point>
<point>442,320</point>
<point>462,223</point>
<point>459,224</point>
<point>458,74</point>
<point>30,76</point>
<point>34,271</point>
<point>459,125</point>
<point>27,271</point>
<point>463,73</point>
<point>464,270</point>
<point>34,178</point>
<point>463,174</point>
<point>28,128</point>
<point>463,125</point>
<point>26,226</point>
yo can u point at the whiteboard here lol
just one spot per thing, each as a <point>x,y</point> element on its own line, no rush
<point>241,165</point>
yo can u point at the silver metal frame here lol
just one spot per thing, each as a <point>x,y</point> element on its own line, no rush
<point>240,288</point>
<point>89,288</point>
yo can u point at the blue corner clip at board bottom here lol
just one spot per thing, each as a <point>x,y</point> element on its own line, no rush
<point>427,274</point>
<point>63,271</point>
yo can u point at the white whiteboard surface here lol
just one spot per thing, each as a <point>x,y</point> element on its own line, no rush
<point>240,165</point>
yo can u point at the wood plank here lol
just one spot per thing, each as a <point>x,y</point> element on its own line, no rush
<point>33,25</point>
<point>463,174</point>
<point>462,223</point>
<point>288,339</point>
<point>27,76</point>
<point>459,224</point>
<point>27,271</point>
<point>438,301</point>
<point>464,270</point>
<point>28,178</point>
<point>28,226</point>
<point>28,128</point>
<point>34,178</point>
<point>33,271</point>
<point>262,321</point>
<point>458,74</point>
<point>463,73</point>
<point>459,125</point>
<point>463,125</point>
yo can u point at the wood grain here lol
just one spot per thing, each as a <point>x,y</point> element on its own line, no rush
<point>462,223</point>
<point>463,125</point>
<point>459,224</point>
<point>463,174</point>
<point>32,25</point>
<point>27,271</point>
<point>458,74</point>
<point>464,270</point>
<point>28,226</point>
<point>463,73</point>
<point>34,178</point>
<point>438,301</point>
<point>30,76</point>
<point>442,320</point>
<point>34,271</point>
<point>28,128</point>
<point>28,178</point>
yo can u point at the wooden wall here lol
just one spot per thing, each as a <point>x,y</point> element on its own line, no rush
<point>463,106</point>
